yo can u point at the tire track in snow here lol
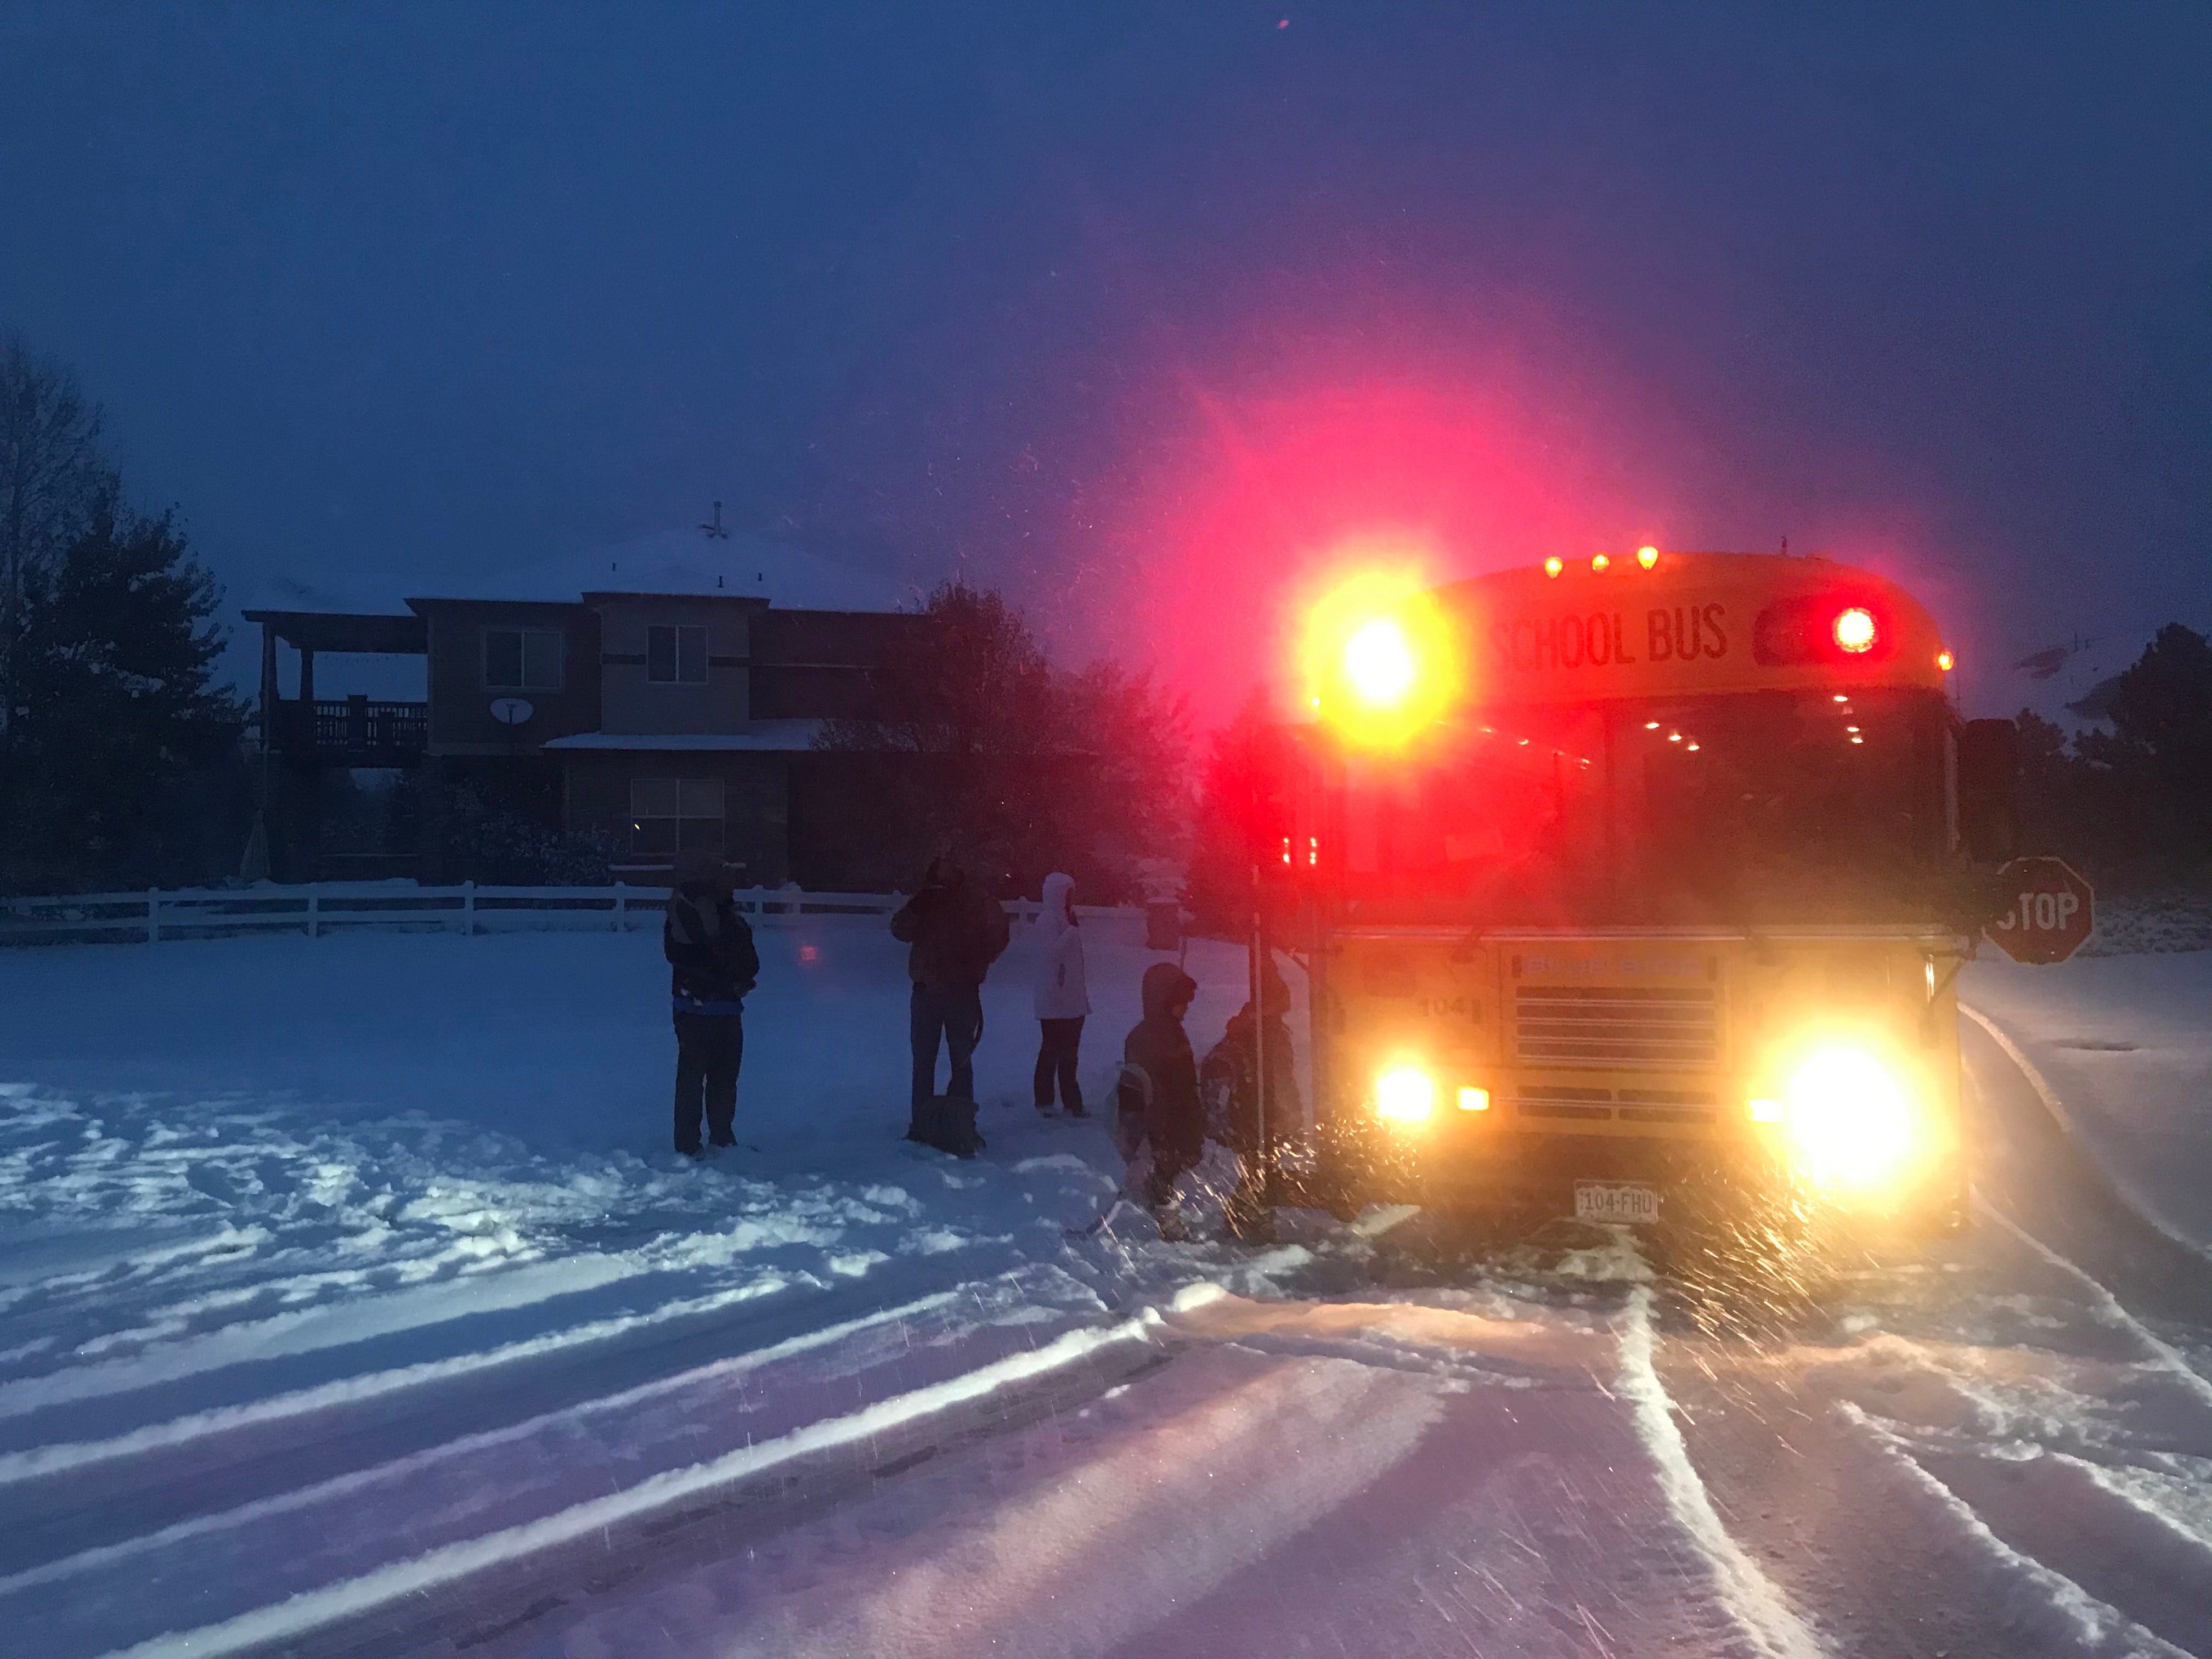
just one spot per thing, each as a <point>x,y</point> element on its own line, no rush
<point>37,1463</point>
<point>2168,1357</point>
<point>2104,1627</point>
<point>360,1481</point>
<point>310,1330</point>
<point>1753,1600</point>
<point>296,1616</point>
<point>2129,1193</point>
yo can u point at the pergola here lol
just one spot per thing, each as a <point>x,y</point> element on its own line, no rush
<point>310,631</point>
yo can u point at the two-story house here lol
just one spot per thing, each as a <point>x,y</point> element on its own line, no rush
<point>661,722</point>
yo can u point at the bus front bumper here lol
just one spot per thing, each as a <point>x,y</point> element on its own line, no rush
<point>1607,1179</point>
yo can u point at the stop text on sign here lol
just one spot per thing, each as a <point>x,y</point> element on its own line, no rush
<point>2046,912</point>
<point>2050,915</point>
<point>1602,639</point>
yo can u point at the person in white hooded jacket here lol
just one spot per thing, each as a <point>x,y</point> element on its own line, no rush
<point>1059,996</point>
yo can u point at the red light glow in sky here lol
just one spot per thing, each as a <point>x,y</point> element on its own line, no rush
<point>1274,502</point>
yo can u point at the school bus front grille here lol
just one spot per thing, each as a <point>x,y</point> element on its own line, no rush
<point>1670,1028</point>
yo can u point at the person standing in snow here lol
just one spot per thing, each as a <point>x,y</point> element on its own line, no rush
<point>958,930</point>
<point>1249,1120</point>
<point>1158,1124</point>
<point>1060,997</point>
<point>712,966</point>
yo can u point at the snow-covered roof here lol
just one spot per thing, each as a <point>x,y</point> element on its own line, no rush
<point>683,562</point>
<point>2068,683</point>
<point>770,737</point>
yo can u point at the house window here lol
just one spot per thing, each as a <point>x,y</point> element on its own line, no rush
<point>522,658</point>
<point>670,816</point>
<point>676,656</point>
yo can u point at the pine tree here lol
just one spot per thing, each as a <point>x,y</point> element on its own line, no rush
<point>114,671</point>
<point>2161,745</point>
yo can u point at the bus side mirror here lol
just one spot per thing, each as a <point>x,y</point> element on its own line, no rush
<point>1989,770</point>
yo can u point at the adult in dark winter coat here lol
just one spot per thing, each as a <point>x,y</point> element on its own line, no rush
<point>1248,1117</point>
<point>1159,1124</point>
<point>712,966</point>
<point>958,930</point>
<point>1059,996</point>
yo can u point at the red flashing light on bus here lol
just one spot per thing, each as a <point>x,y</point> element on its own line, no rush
<point>1378,662</point>
<point>1815,629</point>
<point>1380,658</point>
<point>1854,631</point>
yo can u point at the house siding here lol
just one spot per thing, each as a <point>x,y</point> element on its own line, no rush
<point>460,717</point>
<point>631,702</point>
<point>756,802</point>
<point>819,664</point>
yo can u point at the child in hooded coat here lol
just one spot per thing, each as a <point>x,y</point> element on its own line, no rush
<point>1060,997</point>
<point>1159,1126</point>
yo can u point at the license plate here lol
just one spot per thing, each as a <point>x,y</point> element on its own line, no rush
<point>1631,1202</point>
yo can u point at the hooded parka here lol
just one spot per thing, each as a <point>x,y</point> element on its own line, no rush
<point>1059,990</point>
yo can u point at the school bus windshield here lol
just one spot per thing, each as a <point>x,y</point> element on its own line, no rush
<point>1738,809</point>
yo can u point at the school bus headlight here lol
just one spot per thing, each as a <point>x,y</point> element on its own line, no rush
<point>1850,1120</point>
<point>1405,1094</point>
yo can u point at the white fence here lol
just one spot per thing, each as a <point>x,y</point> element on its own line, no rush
<point>402,907</point>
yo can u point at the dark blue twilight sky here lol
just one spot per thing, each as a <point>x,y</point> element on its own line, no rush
<point>1139,309</point>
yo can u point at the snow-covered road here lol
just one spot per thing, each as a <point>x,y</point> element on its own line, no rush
<point>348,1306</point>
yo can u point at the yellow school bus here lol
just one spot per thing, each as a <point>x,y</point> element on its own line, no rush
<point>1634,889</point>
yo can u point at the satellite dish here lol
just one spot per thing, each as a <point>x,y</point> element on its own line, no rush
<point>511,711</point>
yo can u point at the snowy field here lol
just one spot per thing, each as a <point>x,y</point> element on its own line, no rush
<point>351,1302</point>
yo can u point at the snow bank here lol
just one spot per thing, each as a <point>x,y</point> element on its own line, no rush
<point>2134,926</point>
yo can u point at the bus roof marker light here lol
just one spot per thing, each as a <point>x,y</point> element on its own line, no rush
<point>1673,736</point>
<point>1600,561</point>
<point>1647,556</point>
<point>1692,748</point>
<point>1945,662</point>
<point>1651,725</point>
<point>1553,565</point>
<point>1855,631</point>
